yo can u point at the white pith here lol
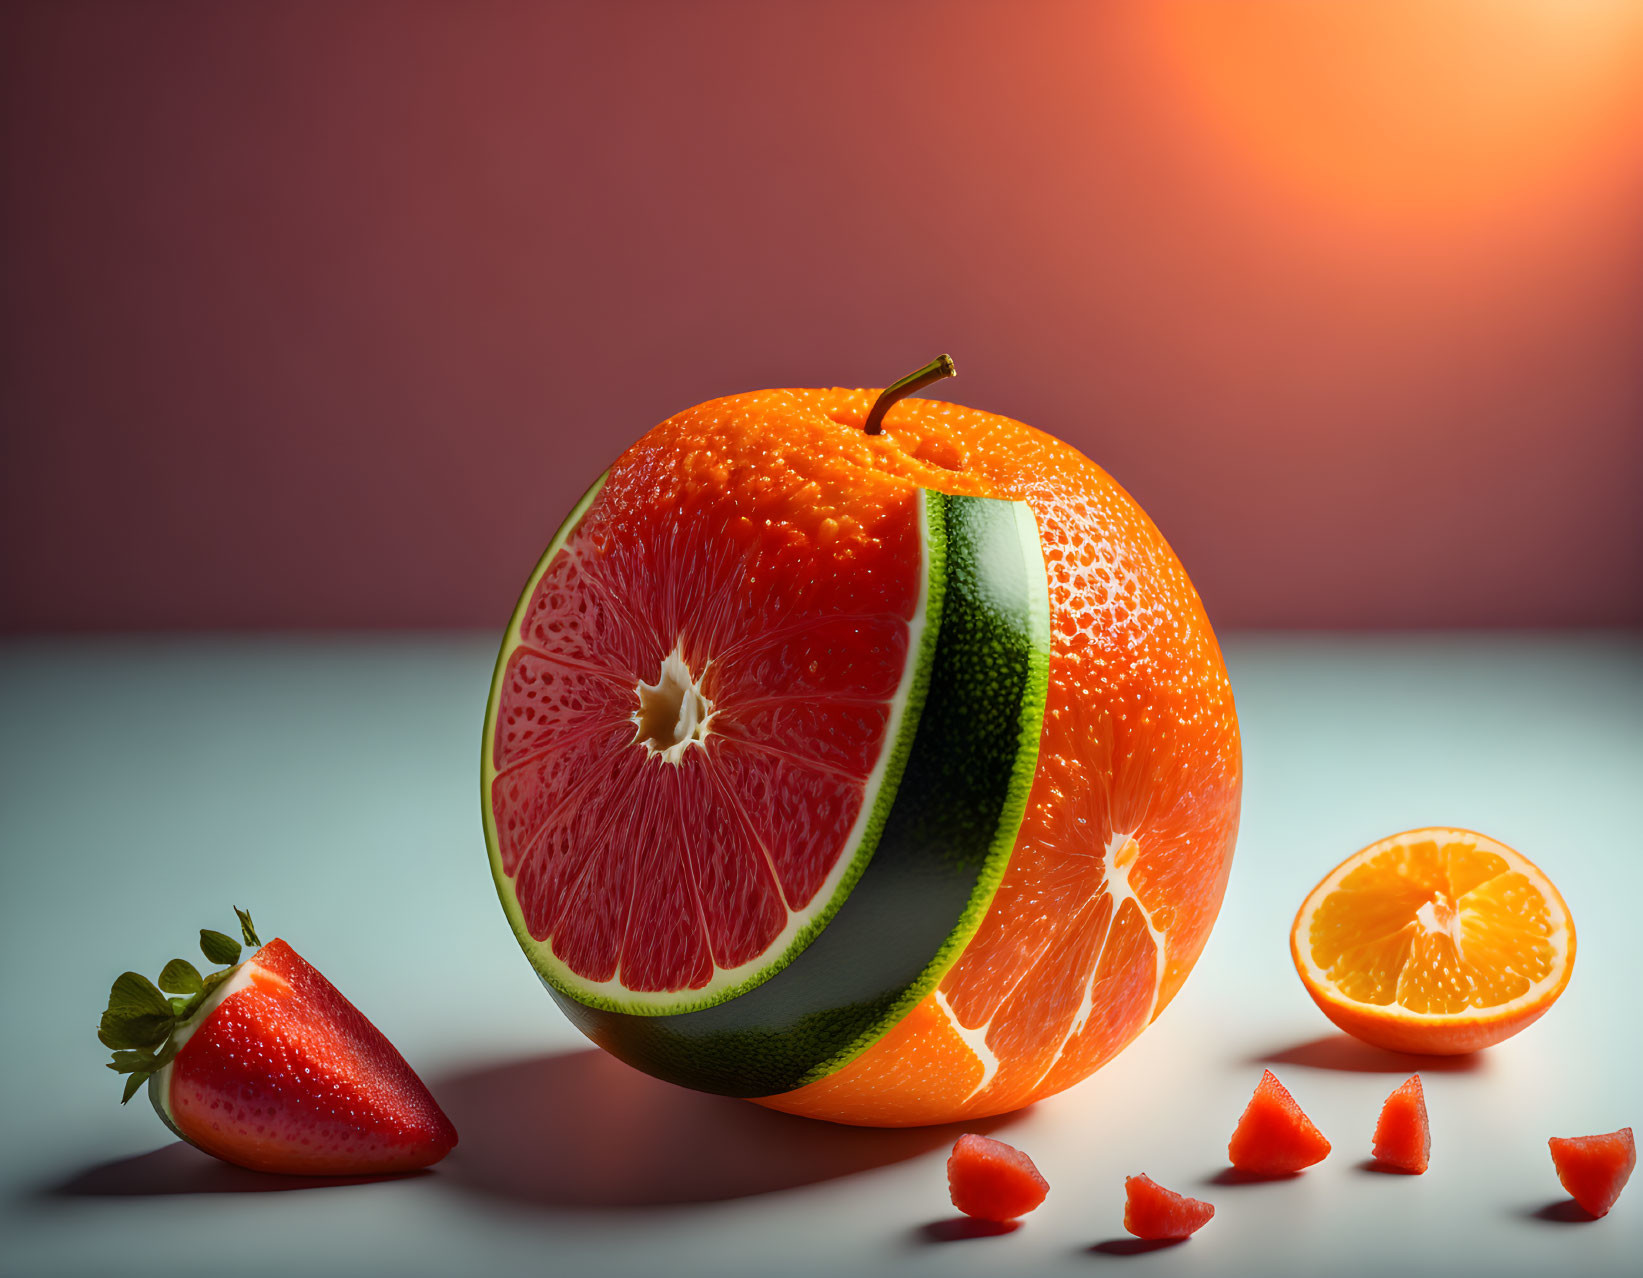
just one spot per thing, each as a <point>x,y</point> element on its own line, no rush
<point>1439,915</point>
<point>692,721</point>
<point>724,980</point>
<point>975,1039</point>
<point>1430,917</point>
<point>1121,854</point>
<point>159,1084</point>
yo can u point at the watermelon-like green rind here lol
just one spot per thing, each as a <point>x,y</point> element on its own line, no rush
<point>906,711</point>
<point>945,845</point>
<point>994,665</point>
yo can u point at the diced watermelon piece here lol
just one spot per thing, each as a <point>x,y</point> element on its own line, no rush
<point>1403,1138</point>
<point>1273,1136</point>
<point>1594,1169</point>
<point>993,1181</point>
<point>1151,1211</point>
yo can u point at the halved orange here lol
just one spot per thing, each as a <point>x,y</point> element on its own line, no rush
<point>1438,941</point>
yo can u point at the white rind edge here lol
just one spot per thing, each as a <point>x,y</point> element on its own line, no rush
<point>159,1083</point>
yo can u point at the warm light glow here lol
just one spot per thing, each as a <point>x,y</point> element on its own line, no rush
<point>1415,109</point>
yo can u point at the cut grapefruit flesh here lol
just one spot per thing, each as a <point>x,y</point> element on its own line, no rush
<point>1437,940</point>
<point>688,740</point>
<point>1274,1137</point>
<point>1594,1169</point>
<point>1403,1136</point>
<point>1156,1214</point>
<point>993,1181</point>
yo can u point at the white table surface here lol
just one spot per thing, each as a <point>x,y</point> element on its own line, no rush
<point>331,785</point>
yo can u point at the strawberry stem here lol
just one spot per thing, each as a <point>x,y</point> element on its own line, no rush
<point>941,366</point>
<point>247,930</point>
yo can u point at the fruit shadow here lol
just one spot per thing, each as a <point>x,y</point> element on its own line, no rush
<point>1232,1176</point>
<point>1133,1246</point>
<point>181,1169</point>
<point>1344,1053</point>
<point>1560,1211</point>
<point>960,1228</point>
<point>1375,1167</point>
<point>584,1130</point>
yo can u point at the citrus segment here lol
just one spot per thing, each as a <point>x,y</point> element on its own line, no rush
<point>1436,940</point>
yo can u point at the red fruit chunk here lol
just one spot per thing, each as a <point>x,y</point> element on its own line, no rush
<point>1403,1138</point>
<point>1151,1211</point>
<point>993,1181</point>
<point>1273,1136</point>
<point>1594,1169</point>
<point>286,1075</point>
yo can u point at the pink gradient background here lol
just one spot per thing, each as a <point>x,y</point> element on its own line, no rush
<point>321,315</point>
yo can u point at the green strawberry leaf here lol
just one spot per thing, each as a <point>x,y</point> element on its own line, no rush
<point>133,995</point>
<point>219,948</point>
<point>181,977</point>
<point>131,1062</point>
<point>183,1008</point>
<point>138,1015</point>
<point>132,1084</point>
<point>140,1031</point>
<point>246,929</point>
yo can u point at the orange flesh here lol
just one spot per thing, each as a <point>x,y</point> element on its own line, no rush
<point>1434,928</point>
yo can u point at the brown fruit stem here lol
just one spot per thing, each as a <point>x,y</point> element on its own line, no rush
<point>941,366</point>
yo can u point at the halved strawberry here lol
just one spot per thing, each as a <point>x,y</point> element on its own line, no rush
<point>1274,1137</point>
<point>264,1064</point>
<point>1594,1169</point>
